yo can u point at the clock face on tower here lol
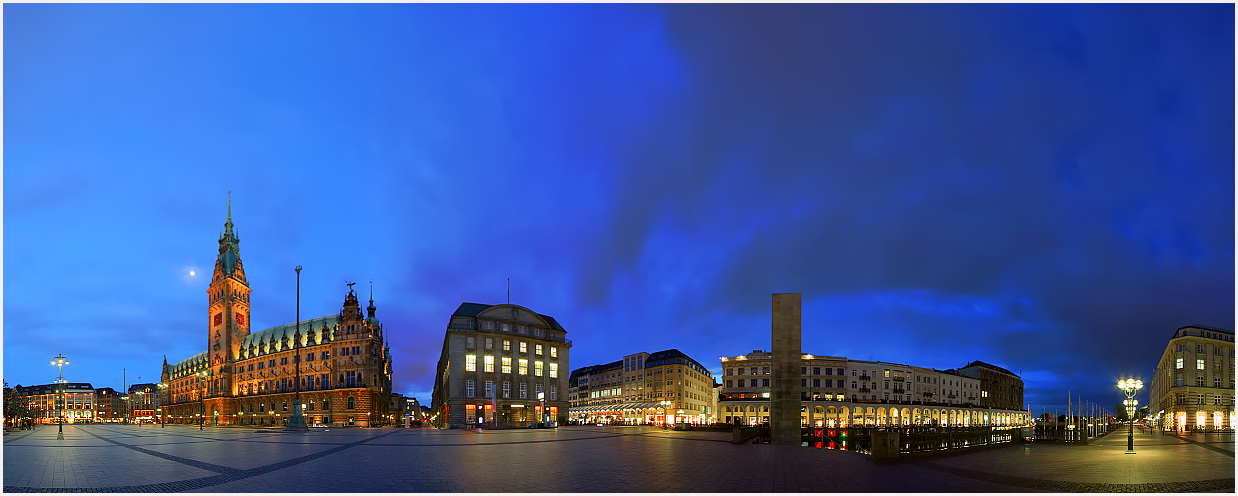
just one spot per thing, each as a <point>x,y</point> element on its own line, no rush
<point>219,318</point>
<point>240,319</point>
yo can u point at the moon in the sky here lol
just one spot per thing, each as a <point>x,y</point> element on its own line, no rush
<point>191,273</point>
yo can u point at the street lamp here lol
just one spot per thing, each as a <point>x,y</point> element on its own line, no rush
<point>665,411</point>
<point>163,388</point>
<point>297,422</point>
<point>1130,387</point>
<point>60,361</point>
<point>202,397</point>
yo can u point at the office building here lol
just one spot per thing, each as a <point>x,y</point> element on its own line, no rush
<point>836,391</point>
<point>496,361</point>
<point>72,401</point>
<point>632,390</point>
<point>1192,388</point>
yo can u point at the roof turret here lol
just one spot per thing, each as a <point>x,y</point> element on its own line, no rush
<point>370,318</point>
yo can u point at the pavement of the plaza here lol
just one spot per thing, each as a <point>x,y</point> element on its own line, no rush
<point>127,458</point>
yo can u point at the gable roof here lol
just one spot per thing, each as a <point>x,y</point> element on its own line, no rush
<point>990,366</point>
<point>467,309</point>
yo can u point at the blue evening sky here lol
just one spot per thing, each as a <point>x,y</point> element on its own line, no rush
<point>1048,188</point>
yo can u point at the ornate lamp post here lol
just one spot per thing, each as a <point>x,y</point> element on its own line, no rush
<point>60,361</point>
<point>666,405</point>
<point>163,392</point>
<point>1130,387</point>
<point>202,398</point>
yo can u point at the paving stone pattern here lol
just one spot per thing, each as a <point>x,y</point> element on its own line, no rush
<point>125,458</point>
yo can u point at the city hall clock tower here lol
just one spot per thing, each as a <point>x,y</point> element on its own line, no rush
<point>229,310</point>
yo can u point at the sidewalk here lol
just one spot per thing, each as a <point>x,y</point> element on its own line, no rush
<point>1164,463</point>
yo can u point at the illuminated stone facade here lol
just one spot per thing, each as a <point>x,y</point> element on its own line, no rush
<point>246,378</point>
<point>1192,388</point>
<point>999,388</point>
<point>75,401</point>
<point>841,392</point>
<point>495,361</point>
<point>143,403</point>
<point>631,390</point>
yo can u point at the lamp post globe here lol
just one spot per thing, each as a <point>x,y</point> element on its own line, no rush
<point>60,361</point>
<point>1130,387</point>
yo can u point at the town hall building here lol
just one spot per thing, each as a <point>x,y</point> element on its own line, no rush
<point>244,378</point>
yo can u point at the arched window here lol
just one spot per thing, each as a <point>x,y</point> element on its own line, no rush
<point>352,403</point>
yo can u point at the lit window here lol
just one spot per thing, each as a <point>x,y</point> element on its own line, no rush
<point>538,349</point>
<point>554,371</point>
<point>507,365</point>
<point>524,366</point>
<point>507,345</point>
<point>1178,363</point>
<point>470,363</point>
<point>524,347</point>
<point>554,352</point>
<point>1199,364</point>
<point>488,363</point>
<point>537,368</point>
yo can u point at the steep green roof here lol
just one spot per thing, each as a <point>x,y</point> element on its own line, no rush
<point>188,366</point>
<point>270,337</point>
<point>311,328</point>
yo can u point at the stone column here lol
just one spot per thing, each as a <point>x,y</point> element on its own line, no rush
<point>784,395</point>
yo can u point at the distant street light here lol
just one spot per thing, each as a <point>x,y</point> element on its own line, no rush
<point>60,361</point>
<point>163,388</point>
<point>666,405</point>
<point>202,398</point>
<point>1130,387</point>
